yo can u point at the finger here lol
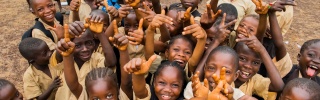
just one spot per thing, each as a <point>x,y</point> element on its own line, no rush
<point>111,39</point>
<point>163,12</point>
<point>191,29</point>
<point>140,24</point>
<point>192,20</point>
<point>209,10</point>
<point>66,33</point>
<point>206,83</point>
<point>256,3</point>
<point>230,23</point>
<point>150,60</point>
<point>59,47</point>
<point>105,3</point>
<point>223,73</point>
<point>187,13</point>
<point>215,78</point>
<point>218,87</point>
<point>115,27</point>
<point>146,7</point>
<point>92,19</point>
<point>243,40</point>
<point>223,19</point>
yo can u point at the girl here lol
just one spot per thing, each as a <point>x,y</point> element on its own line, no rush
<point>8,91</point>
<point>168,82</point>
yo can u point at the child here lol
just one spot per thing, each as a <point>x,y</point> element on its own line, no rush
<point>40,80</point>
<point>168,82</point>
<point>308,59</point>
<point>189,3</point>
<point>85,59</point>
<point>219,58</point>
<point>180,48</point>
<point>301,89</point>
<point>45,11</point>
<point>8,91</point>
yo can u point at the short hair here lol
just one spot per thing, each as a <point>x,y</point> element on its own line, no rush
<point>227,50</point>
<point>307,44</point>
<point>253,16</point>
<point>228,8</point>
<point>4,82</point>
<point>101,73</point>
<point>173,39</point>
<point>28,45</point>
<point>308,85</point>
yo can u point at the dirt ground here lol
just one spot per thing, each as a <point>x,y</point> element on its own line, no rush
<point>16,19</point>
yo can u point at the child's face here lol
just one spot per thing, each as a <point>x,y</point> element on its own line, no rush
<point>45,10</point>
<point>180,51</point>
<point>190,3</point>
<point>309,61</point>
<point>295,94</point>
<point>84,46</point>
<point>94,4</point>
<point>102,89</point>
<point>168,84</point>
<point>9,92</point>
<point>214,65</point>
<point>149,3</point>
<point>247,24</point>
<point>173,28</point>
<point>130,23</point>
<point>42,54</point>
<point>249,63</point>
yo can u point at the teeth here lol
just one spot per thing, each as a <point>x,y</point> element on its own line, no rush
<point>246,73</point>
<point>314,67</point>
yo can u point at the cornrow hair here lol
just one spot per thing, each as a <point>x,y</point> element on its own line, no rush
<point>103,73</point>
<point>173,39</point>
<point>308,85</point>
<point>307,44</point>
<point>4,82</point>
<point>28,45</point>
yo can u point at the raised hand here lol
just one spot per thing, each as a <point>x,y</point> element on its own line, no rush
<point>199,90</point>
<point>227,89</point>
<point>124,10</point>
<point>56,83</point>
<point>223,31</point>
<point>280,6</point>
<point>149,13</point>
<point>133,3</point>
<point>94,23</point>
<point>252,42</point>
<point>65,46</point>
<point>187,15</point>
<point>208,18</point>
<point>76,29</point>
<point>139,66</point>
<point>119,40</point>
<point>113,11</point>
<point>74,5</point>
<point>261,7</point>
<point>196,30</point>
<point>136,36</point>
<point>58,29</point>
<point>160,19</point>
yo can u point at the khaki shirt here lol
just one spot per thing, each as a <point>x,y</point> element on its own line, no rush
<point>84,12</point>
<point>244,7</point>
<point>37,33</point>
<point>256,85</point>
<point>285,19</point>
<point>284,65</point>
<point>123,96</point>
<point>97,60</point>
<point>36,82</point>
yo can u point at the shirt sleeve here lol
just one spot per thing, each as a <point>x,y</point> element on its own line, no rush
<point>284,65</point>
<point>251,7</point>
<point>188,94</point>
<point>30,85</point>
<point>146,98</point>
<point>36,33</point>
<point>261,86</point>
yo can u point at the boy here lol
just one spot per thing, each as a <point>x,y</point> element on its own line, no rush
<point>85,59</point>
<point>301,89</point>
<point>45,12</point>
<point>8,91</point>
<point>40,80</point>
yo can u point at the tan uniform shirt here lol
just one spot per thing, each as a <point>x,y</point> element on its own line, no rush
<point>36,82</point>
<point>97,60</point>
<point>84,12</point>
<point>256,85</point>
<point>37,33</point>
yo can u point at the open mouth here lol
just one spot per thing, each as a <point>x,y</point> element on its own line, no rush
<point>244,74</point>
<point>312,70</point>
<point>165,97</point>
<point>240,35</point>
<point>180,62</point>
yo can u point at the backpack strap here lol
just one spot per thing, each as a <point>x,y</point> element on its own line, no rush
<point>40,26</point>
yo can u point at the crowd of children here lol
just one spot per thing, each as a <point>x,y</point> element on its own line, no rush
<point>144,50</point>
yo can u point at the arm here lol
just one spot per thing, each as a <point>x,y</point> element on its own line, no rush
<point>149,43</point>
<point>156,6</point>
<point>74,7</point>
<point>262,26</point>
<point>55,84</point>
<point>214,5</point>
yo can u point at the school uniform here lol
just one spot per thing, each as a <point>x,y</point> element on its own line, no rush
<point>97,60</point>
<point>37,33</point>
<point>123,96</point>
<point>36,82</point>
<point>258,85</point>
<point>285,19</point>
<point>84,12</point>
<point>188,92</point>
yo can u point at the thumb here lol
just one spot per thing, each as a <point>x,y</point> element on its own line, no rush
<point>140,24</point>
<point>105,3</point>
<point>206,83</point>
<point>209,11</point>
<point>115,27</point>
<point>146,7</point>
<point>111,39</point>
<point>150,60</point>
<point>163,12</point>
<point>218,87</point>
<point>192,20</point>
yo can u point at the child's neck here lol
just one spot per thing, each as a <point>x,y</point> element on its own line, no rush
<point>44,68</point>
<point>238,83</point>
<point>79,62</point>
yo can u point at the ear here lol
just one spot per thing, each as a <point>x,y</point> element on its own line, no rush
<point>236,75</point>
<point>31,10</point>
<point>166,53</point>
<point>298,57</point>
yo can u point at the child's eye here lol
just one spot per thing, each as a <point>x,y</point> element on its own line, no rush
<point>50,5</point>
<point>256,63</point>
<point>109,96</point>
<point>78,46</point>
<point>89,43</point>
<point>175,49</point>
<point>188,52</point>
<point>242,59</point>
<point>162,83</point>
<point>175,85</point>
<point>40,10</point>
<point>17,94</point>
<point>310,55</point>
<point>95,99</point>
<point>228,72</point>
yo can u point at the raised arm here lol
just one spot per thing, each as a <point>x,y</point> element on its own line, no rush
<point>74,7</point>
<point>261,9</point>
<point>214,5</point>
<point>275,28</point>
